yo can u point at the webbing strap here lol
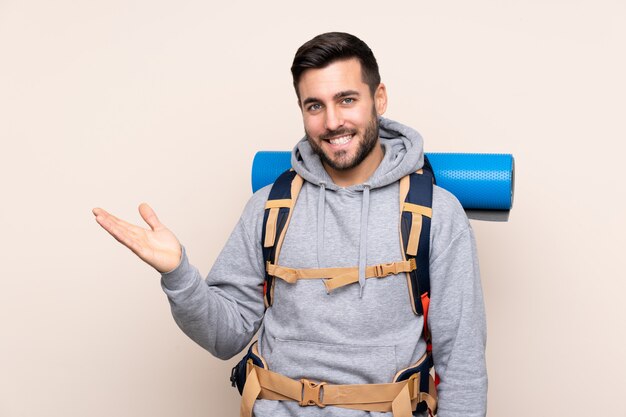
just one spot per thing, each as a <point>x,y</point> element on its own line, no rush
<point>405,184</point>
<point>339,277</point>
<point>398,397</point>
<point>250,393</point>
<point>286,202</point>
<point>416,208</point>
<point>414,235</point>
<point>270,227</point>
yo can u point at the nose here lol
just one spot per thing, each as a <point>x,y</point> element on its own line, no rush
<point>334,119</point>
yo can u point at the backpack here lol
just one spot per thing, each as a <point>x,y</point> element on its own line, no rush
<point>416,192</point>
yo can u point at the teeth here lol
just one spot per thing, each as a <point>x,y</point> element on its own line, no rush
<point>340,140</point>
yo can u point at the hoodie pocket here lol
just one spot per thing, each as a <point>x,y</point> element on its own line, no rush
<point>333,363</point>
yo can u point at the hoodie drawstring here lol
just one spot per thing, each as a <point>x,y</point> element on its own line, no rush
<point>365,208</point>
<point>321,203</point>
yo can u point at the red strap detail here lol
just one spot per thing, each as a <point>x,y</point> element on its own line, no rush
<point>429,345</point>
<point>425,305</point>
<point>264,287</point>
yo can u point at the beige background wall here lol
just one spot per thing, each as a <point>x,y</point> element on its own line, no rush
<point>111,103</point>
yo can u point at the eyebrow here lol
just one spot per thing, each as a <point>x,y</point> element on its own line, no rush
<point>339,95</point>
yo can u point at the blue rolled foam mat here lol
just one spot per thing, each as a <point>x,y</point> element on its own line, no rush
<point>480,181</point>
<point>267,166</point>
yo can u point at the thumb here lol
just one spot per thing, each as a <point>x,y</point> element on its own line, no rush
<point>150,217</point>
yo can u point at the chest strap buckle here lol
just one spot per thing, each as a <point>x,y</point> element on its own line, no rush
<point>312,393</point>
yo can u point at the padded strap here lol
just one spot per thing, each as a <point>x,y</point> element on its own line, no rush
<point>278,211</point>
<point>339,277</point>
<point>270,228</point>
<point>405,184</point>
<point>415,217</point>
<point>296,186</point>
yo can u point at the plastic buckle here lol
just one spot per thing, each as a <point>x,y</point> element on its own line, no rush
<point>388,269</point>
<point>379,271</point>
<point>382,270</point>
<point>312,393</point>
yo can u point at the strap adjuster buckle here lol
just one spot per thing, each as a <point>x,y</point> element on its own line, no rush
<point>383,270</point>
<point>312,393</point>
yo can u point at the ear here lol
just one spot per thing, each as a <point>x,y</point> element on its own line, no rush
<point>380,99</point>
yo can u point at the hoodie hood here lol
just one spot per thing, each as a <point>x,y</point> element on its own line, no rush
<point>404,154</point>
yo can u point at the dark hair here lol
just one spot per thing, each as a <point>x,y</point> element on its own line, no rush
<point>329,47</point>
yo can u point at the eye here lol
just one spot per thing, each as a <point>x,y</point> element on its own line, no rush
<point>314,107</point>
<point>347,100</point>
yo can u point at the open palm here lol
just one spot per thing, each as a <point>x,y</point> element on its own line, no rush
<point>157,246</point>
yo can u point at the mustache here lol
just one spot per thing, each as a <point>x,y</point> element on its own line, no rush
<point>329,134</point>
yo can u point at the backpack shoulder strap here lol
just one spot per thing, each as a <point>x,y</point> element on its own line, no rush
<point>276,218</point>
<point>416,196</point>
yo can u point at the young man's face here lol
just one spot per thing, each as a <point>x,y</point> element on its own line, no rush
<point>340,115</point>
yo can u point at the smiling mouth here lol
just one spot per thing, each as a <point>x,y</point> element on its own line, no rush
<point>340,140</point>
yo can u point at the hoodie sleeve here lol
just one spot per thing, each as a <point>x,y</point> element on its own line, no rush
<point>457,320</point>
<point>223,312</point>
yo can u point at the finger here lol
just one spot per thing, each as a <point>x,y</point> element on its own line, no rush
<point>124,232</point>
<point>98,211</point>
<point>150,217</point>
<point>119,232</point>
<point>128,238</point>
<point>106,215</point>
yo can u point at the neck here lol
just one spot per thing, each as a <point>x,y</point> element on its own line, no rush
<point>360,173</point>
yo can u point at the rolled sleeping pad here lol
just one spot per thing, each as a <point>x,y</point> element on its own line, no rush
<point>483,183</point>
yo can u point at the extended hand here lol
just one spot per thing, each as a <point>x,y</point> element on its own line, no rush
<point>158,247</point>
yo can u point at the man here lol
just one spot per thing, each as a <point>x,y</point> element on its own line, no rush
<point>346,215</point>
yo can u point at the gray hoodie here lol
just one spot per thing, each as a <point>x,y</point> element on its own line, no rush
<point>361,333</point>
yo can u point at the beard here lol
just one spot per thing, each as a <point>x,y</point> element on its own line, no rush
<point>339,160</point>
